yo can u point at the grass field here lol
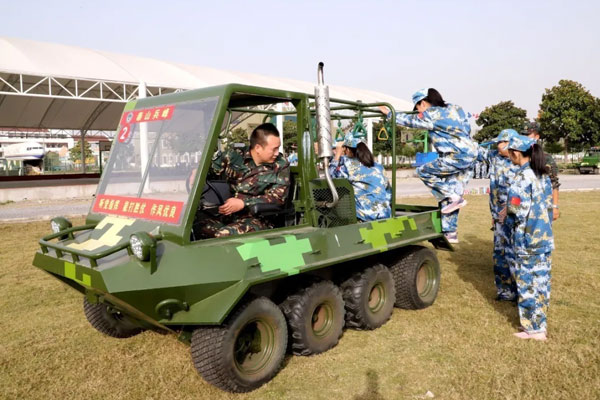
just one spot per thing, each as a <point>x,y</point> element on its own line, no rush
<point>460,348</point>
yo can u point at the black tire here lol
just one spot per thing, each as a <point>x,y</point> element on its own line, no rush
<point>109,320</point>
<point>417,278</point>
<point>315,316</point>
<point>246,351</point>
<point>369,296</point>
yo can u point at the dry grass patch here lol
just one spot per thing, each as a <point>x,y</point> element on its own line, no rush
<point>460,348</point>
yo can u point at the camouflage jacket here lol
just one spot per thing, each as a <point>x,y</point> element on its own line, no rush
<point>502,174</point>
<point>449,130</point>
<point>254,184</point>
<point>552,170</point>
<point>372,190</point>
<point>528,203</point>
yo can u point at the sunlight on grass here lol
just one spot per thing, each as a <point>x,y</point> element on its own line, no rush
<point>460,348</point>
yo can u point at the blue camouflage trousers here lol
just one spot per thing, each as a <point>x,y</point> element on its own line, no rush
<point>447,176</point>
<point>449,221</point>
<point>532,276</point>
<point>504,260</point>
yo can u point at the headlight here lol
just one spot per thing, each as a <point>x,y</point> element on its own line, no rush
<point>142,244</point>
<point>59,224</point>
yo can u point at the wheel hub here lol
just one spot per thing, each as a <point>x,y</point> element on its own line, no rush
<point>254,346</point>
<point>322,319</point>
<point>377,297</point>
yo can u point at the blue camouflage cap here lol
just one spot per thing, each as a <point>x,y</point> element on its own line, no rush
<point>351,141</point>
<point>521,143</point>
<point>505,135</point>
<point>419,95</point>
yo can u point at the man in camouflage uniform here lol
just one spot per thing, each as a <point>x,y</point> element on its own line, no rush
<point>532,242</point>
<point>257,174</point>
<point>502,173</point>
<point>533,131</point>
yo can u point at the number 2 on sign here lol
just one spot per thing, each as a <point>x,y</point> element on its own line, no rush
<point>124,133</point>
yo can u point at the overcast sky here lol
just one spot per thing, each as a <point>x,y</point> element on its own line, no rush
<point>476,53</point>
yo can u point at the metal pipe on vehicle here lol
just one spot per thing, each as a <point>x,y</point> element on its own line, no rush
<point>325,140</point>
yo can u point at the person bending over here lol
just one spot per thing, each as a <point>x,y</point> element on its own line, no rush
<point>372,192</point>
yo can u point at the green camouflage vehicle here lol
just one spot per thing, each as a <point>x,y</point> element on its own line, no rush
<point>243,301</point>
<point>591,161</point>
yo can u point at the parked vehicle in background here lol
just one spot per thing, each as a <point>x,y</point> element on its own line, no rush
<point>590,162</point>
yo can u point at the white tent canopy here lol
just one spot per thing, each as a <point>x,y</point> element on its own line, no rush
<point>54,86</point>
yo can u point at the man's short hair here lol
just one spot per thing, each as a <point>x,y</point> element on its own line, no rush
<point>260,133</point>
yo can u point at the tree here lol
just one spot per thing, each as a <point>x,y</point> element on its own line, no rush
<point>238,135</point>
<point>290,134</point>
<point>553,147</point>
<point>75,152</point>
<point>570,113</point>
<point>500,116</point>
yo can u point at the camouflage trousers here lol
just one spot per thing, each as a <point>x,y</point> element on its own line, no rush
<point>446,177</point>
<point>229,225</point>
<point>504,260</point>
<point>532,275</point>
<point>449,221</point>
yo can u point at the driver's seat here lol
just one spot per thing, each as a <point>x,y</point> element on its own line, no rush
<point>279,215</point>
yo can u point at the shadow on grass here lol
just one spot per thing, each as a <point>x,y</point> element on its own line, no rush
<point>371,392</point>
<point>473,257</point>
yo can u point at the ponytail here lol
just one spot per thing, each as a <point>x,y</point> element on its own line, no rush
<point>537,160</point>
<point>435,98</point>
<point>364,155</point>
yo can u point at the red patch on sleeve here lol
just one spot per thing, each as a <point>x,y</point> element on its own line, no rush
<point>515,201</point>
<point>420,115</point>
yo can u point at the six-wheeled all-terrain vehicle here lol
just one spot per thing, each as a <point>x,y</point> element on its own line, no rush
<point>240,301</point>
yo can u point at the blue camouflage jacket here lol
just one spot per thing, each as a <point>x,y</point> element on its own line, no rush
<point>502,174</point>
<point>528,202</point>
<point>449,130</point>
<point>372,190</point>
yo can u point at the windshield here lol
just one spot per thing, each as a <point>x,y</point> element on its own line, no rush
<point>154,154</point>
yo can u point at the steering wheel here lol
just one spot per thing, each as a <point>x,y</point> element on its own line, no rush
<point>209,187</point>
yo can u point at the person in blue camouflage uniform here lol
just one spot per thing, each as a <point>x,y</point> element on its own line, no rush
<point>293,159</point>
<point>502,172</point>
<point>354,161</point>
<point>532,130</point>
<point>449,134</point>
<point>528,216</point>
<point>256,174</point>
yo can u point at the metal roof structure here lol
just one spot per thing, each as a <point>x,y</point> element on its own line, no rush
<point>55,86</point>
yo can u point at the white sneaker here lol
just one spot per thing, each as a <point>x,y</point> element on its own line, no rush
<point>455,205</point>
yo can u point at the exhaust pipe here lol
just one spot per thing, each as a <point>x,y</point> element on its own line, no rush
<point>324,130</point>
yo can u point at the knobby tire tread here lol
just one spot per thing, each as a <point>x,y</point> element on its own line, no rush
<point>293,308</point>
<point>352,290</point>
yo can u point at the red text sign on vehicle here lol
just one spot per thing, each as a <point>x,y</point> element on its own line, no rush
<point>161,113</point>
<point>152,209</point>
